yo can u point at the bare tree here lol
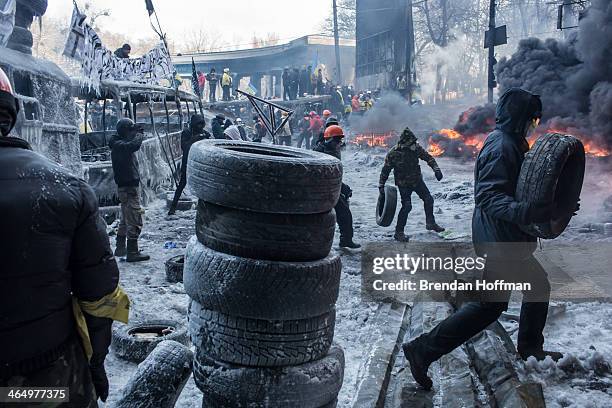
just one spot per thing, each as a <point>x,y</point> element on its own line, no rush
<point>266,41</point>
<point>347,19</point>
<point>200,40</point>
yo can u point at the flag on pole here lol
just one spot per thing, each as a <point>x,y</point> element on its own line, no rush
<point>150,8</point>
<point>195,84</point>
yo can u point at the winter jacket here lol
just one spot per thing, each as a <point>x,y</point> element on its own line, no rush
<point>329,147</point>
<point>187,140</point>
<point>260,132</point>
<point>226,79</point>
<point>233,133</point>
<point>56,247</point>
<point>403,159</point>
<point>217,126</point>
<point>316,124</point>
<point>125,163</point>
<point>120,53</point>
<point>497,214</point>
<point>212,79</point>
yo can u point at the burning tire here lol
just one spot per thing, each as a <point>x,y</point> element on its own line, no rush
<point>133,342</point>
<point>260,289</point>
<point>159,379</point>
<point>260,343</point>
<point>274,237</point>
<point>264,178</point>
<point>553,172</point>
<point>311,385</point>
<point>174,268</point>
<point>386,206</point>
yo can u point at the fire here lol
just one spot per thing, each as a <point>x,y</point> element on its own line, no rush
<point>435,149</point>
<point>591,148</point>
<point>373,139</point>
<point>450,133</point>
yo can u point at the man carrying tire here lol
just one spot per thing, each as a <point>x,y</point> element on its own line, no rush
<point>189,136</point>
<point>333,142</point>
<point>497,217</point>
<point>403,159</point>
<point>124,146</point>
<point>58,280</point>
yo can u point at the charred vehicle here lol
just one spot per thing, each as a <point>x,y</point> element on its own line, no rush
<point>161,112</point>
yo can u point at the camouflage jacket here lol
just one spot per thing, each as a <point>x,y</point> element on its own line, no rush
<point>404,161</point>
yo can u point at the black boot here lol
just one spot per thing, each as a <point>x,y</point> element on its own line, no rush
<point>121,249</point>
<point>401,237</point>
<point>540,354</point>
<point>433,226</point>
<point>348,243</point>
<point>418,367</point>
<point>133,254</point>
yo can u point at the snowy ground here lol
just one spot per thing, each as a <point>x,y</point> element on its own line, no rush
<point>582,330</point>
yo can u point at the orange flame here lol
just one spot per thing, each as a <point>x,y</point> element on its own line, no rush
<point>450,133</point>
<point>375,139</point>
<point>435,149</point>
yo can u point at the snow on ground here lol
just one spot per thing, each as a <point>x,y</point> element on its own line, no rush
<point>573,329</point>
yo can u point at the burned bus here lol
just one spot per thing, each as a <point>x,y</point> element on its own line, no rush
<point>162,113</point>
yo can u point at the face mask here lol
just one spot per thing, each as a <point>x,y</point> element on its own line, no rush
<point>6,124</point>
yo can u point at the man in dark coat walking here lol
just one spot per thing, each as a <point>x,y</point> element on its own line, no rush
<point>124,51</point>
<point>124,146</point>
<point>495,226</point>
<point>403,159</point>
<point>57,264</point>
<point>193,134</point>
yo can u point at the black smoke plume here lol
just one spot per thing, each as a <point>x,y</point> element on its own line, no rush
<point>574,77</point>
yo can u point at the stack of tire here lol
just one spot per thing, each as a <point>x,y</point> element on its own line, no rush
<point>262,281</point>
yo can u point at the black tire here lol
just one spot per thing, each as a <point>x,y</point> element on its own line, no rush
<point>311,385</point>
<point>386,206</point>
<point>21,37</point>
<point>275,237</point>
<point>260,289</point>
<point>174,268</point>
<point>260,343</point>
<point>264,178</point>
<point>184,203</point>
<point>553,172</point>
<point>37,7</point>
<point>136,349</point>
<point>159,379</point>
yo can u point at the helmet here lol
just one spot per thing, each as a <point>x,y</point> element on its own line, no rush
<point>326,113</point>
<point>124,126</point>
<point>333,131</point>
<point>5,84</point>
<point>332,120</point>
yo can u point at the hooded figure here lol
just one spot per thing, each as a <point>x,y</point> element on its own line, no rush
<point>194,133</point>
<point>57,264</point>
<point>217,126</point>
<point>403,159</point>
<point>497,216</point>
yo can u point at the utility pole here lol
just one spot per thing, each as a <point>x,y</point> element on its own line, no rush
<point>337,44</point>
<point>491,77</point>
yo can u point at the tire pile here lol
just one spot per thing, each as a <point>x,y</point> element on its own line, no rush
<point>261,279</point>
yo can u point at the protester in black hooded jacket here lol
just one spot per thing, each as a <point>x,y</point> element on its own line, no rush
<point>218,126</point>
<point>58,252</point>
<point>496,225</point>
<point>189,136</point>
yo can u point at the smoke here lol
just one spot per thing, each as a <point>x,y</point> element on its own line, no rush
<point>443,60</point>
<point>477,120</point>
<point>574,77</point>
<point>390,112</point>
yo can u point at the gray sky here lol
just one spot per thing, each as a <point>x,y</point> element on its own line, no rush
<point>235,20</point>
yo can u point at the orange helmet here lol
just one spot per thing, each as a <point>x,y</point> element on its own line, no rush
<point>326,113</point>
<point>333,131</point>
<point>5,84</point>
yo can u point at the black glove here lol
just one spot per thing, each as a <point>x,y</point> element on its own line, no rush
<point>99,378</point>
<point>439,175</point>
